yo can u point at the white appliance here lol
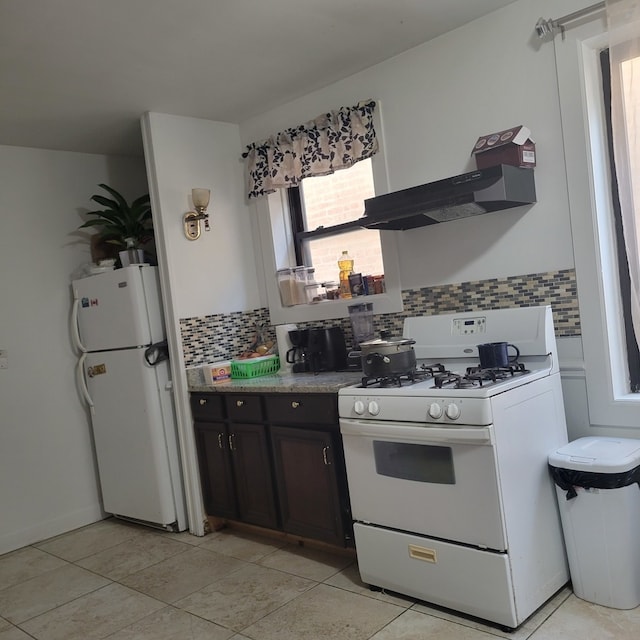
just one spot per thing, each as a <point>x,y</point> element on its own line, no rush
<point>118,326</point>
<point>451,495</point>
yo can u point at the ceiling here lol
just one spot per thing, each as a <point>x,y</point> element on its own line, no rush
<point>76,75</point>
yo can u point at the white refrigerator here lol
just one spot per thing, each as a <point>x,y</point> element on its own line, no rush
<point>124,376</point>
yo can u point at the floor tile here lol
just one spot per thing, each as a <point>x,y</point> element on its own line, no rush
<point>24,564</point>
<point>182,536</point>
<point>577,618</point>
<point>521,633</point>
<point>13,633</point>
<point>243,546</point>
<point>132,555</point>
<point>44,592</point>
<point>412,625</point>
<point>245,596</point>
<point>93,616</point>
<point>171,623</point>
<point>181,575</point>
<point>90,539</point>
<point>349,579</point>
<point>306,562</point>
<point>325,613</point>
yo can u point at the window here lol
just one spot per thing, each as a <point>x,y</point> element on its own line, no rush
<point>325,211</point>
<point>285,241</point>
<point>584,129</point>
<point>629,68</point>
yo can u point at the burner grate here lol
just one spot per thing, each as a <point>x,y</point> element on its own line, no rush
<point>404,378</point>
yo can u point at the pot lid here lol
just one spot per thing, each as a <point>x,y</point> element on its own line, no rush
<point>386,339</point>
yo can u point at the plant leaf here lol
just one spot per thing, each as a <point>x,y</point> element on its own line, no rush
<point>121,201</point>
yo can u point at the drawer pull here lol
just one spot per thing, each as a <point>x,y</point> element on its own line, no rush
<point>295,404</point>
<point>220,441</point>
<point>231,442</point>
<point>203,401</point>
<point>325,457</point>
<point>422,553</point>
<point>239,403</point>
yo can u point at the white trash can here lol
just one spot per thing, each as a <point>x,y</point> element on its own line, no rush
<point>597,485</point>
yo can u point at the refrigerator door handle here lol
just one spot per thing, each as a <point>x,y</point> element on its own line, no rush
<point>75,330</point>
<point>83,383</point>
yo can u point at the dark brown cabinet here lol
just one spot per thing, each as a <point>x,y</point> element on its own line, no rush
<point>307,483</point>
<point>235,463</point>
<point>274,460</point>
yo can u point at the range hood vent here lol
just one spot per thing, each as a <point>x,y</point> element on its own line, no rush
<point>469,194</point>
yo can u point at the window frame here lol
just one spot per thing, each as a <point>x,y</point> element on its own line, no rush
<point>610,403</point>
<point>275,250</point>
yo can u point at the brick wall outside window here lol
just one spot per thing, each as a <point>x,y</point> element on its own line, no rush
<point>337,198</point>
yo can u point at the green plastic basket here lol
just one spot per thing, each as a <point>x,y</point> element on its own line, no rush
<point>255,367</point>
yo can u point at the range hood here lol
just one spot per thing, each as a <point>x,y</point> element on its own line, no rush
<point>469,194</point>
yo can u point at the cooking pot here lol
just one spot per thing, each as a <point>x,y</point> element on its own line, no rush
<point>387,356</point>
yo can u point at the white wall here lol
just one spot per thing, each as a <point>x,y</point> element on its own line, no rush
<point>436,100</point>
<point>217,272</point>
<point>47,472</point>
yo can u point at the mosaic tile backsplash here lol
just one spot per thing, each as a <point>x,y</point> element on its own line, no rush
<point>224,336</point>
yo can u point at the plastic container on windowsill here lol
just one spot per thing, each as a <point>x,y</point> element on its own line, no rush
<point>255,367</point>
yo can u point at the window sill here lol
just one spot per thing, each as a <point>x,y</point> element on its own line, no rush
<point>332,309</point>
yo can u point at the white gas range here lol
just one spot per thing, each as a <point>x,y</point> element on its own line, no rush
<point>450,492</point>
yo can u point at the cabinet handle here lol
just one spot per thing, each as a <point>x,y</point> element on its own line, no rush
<point>231,442</point>
<point>220,446</point>
<point>325,457</point>
<point>239,403</point>
<point>203,401</point>
<point>295,404</point>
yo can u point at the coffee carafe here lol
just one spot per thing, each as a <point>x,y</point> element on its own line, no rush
<point>298,355</point>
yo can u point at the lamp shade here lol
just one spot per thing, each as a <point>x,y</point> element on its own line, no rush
<point>200,197</point>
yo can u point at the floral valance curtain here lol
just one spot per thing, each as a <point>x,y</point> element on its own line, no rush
<point>623,23</point>
<point>334,140</point>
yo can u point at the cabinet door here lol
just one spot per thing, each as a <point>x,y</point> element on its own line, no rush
<point>216,478</point>
<point>252,473</point>
<point>307,483</point>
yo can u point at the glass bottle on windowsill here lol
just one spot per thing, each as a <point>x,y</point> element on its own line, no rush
<point>345,264</point>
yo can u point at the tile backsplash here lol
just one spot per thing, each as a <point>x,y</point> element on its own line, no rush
<point>223,336</point>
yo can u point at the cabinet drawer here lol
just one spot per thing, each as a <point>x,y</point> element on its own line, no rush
<point>244,408</point>
<point>307,408</point>
<point>207,407</point>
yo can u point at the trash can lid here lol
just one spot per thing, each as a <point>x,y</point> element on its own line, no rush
<point>598,455</point>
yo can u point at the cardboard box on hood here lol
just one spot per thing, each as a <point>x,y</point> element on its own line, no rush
<point>512,146</point>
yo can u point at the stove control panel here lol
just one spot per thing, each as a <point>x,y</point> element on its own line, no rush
<point>469,326</point>
<point>442,410</point>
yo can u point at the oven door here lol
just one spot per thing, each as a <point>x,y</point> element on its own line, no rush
<point>427,479</point>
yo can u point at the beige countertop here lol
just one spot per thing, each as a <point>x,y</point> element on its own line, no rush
<point>323,382</point>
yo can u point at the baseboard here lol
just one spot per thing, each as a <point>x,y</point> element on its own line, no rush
<point>42,530</point>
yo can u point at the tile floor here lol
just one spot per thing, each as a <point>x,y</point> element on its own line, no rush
<point>123,582</point>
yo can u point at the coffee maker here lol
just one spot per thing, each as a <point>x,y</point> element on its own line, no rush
<point>298,355</point>
<point>317,350</point>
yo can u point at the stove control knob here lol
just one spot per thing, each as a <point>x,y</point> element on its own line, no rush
<point>435,411</point>
<point>358,407</point>
<point>452,411</point>
<point>374,408</point>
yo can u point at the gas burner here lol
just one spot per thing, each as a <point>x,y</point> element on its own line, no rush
<point>476,376</point>
<point>497,373</point>
<point>433,369</point>
<point>396,380</point>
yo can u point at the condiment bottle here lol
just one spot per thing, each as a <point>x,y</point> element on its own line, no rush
<point>345,264</point>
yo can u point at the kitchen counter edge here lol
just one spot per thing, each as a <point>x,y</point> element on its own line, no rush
<point>323,382</point>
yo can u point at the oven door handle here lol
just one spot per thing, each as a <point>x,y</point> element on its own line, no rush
<point>407,432</point>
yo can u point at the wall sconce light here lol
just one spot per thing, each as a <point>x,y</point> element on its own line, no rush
<point>192,219</point>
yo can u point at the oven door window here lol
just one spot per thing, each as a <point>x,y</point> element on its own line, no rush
<point>418,462</point>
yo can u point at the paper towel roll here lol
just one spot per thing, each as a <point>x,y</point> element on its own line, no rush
<point>284,344</point>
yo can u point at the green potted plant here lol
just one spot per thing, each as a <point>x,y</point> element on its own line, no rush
<point>124,227</point>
